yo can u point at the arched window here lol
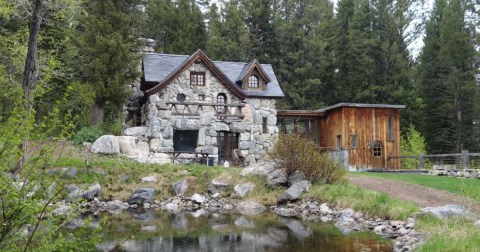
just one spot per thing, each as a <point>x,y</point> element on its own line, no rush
<point>377,149</point>
<point>253,81</point>
<point>221,99</point>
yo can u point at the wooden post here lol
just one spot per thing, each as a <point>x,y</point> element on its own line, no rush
<point>421,159</point>
<point>466,160</point>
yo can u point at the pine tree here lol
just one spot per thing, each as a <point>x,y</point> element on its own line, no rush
<point>108,52</point>
<point>447,79</point>
<point>178,27</point>
<point>214,44</point>
<point>237,44</point>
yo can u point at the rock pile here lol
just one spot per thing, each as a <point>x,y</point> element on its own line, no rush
<point>347,220</point>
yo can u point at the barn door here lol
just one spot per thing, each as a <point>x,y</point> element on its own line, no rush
<point>378,159</point>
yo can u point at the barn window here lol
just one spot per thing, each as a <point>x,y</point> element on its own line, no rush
<point>221,99</point>
<point>377,149</point>
<point>253,81</point>
<point>339,141</point>
<point>390,128</point>
<point>353,141</point>
<point>197,78</point>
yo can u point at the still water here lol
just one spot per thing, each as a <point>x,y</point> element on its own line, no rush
<point>163,231</point>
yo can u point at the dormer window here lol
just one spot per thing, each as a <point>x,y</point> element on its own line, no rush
<point>253,81</point>
<point>197,78</point>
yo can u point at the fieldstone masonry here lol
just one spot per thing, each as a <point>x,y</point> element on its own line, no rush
<point>257,130</point>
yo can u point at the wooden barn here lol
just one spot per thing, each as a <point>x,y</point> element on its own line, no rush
<point>362,135</point>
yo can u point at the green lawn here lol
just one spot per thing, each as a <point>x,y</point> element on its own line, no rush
<point>465,187</point>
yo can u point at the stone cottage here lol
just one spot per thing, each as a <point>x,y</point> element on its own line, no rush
<point>194,104</point>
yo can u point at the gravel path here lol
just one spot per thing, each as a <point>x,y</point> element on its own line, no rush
<point>421,195</point>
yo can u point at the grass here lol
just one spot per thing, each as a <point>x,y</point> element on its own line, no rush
<point>465,187</point>
<point>456,234</point>
<point>372,203</point>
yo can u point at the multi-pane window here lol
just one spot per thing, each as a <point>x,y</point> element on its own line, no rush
<point>197,78</point>
<point>253,81</point>
<point>354,141</point>
<point>377,149</point>
<point>221,99</point>
<point>390,128</point>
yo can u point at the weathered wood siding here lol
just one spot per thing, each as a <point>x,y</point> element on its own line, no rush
<point>369,125</point>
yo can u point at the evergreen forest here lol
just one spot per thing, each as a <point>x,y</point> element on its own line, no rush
<point>85,53</point>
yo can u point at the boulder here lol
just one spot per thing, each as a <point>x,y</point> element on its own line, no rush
<point>107,144</point>
<point>477,223</point>
<point>261,168</point>
<point>179,187</point>
<point>277,178</point>
<point>325,209</point>
<point>149,179</point>
<point>218,186</point>
<point>141,196</point>
<point>295,177</point>
<point>197,198</point>
<point>346,224</point>
<point>136,131</point>
<point>159,158</point>
<point>92,192</point>
<point>242,189</point>
<point>285,212</point>
<point>250,208</point>
<point>115,207</point>
<point>294,192</point>
<point>62,210</point>
<point>445,211</point>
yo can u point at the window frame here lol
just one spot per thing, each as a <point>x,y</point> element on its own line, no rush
<point>377,149</point>
<point>221,109</point>
<point>390,129</point>
<point>353,141</point>
<point>195,80</point>
<point>255,84</point>
<point>339,141</point>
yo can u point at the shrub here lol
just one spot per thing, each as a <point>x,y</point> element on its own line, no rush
<point>296,152</point>
<point>412,145</point>
<point>87,134</point>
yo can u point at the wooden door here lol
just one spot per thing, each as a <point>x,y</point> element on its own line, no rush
<point>226,143</point>
<point>378,155</point>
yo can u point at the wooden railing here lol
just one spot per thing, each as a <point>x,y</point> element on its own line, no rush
<point>233,110</point>
<point>464,160</point>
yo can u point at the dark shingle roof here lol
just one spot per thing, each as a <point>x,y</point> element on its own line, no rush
<point>158,67</point>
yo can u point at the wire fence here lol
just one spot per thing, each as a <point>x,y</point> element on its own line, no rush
<point>454,161</point>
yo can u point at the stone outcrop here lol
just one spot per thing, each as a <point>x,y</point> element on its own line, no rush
<point>294,191</point>
<point>445,211</point>
<point>179,187</point>
<point>107,144</point>
<point>250,208</point>
<point>218,186</point>
<point>295,177</point>
<point>141,196</point>
<point>242,189</point>
<point>277,177</point>
<point>262,168</point>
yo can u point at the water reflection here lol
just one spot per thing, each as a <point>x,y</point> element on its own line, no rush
<point>161,231</point>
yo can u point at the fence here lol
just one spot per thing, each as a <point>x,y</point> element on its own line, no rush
<point>455,161</point>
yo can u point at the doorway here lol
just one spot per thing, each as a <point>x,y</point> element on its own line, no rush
<point>226,143</point>
<point>378,155</point>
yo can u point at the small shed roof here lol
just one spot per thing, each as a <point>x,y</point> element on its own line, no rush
<point>361,105</point>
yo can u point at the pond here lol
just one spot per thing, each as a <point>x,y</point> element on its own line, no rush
<point>163,231</point>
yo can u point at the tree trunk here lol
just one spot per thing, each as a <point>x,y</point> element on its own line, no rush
<point>30,71</point>
<point>98,111</point>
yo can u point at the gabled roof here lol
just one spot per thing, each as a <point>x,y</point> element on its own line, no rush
<point>161,69</point>
<point>361,105</point>
<point>247,70</point>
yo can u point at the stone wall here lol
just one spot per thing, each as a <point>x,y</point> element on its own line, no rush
<point>257,130</point>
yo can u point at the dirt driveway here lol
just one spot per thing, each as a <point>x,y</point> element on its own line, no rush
<point>421,195</point>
